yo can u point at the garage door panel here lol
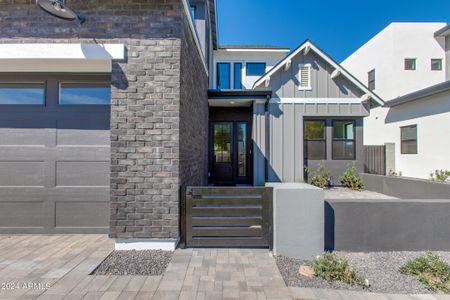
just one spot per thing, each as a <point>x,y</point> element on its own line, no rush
<point>82,173</point>
<point>22,173</point>
<point>75,153</point>
<point>81,214</point>
<point>85,131</point>
<point>27,136</point>
<point>16,214</point>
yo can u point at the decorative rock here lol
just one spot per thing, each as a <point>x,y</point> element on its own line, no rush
<point>306,271</point>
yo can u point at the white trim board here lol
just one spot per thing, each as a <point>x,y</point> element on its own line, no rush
<point>316,100</point>
<point>140,245</point>
<point>308,46</point>
<point>62,51</point>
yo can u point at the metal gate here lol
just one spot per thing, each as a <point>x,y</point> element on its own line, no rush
<point>228,217</point>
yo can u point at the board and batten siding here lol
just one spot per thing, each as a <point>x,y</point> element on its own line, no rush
<point>285,83</point>
<point>328,98</point>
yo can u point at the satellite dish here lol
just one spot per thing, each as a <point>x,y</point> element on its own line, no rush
<point>59,9</point>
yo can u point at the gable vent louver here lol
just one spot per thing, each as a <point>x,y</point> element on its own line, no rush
<point>305,77</point>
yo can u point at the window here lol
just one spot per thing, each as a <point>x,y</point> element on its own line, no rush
<point>92,93</point>
<point>315,142</point>
<point>436,64</point>
<point>343,140</point>
<point>238,76</point>
<point>193,11</point>
<point>22,93</point>
<point>409,139</point>
<point>256,69</point>
<point>223,76</point>
<point>410,64</point>
<point>304,77</point>
<point>242,149</point>
<point>222,142</point>
<point>371,80</point>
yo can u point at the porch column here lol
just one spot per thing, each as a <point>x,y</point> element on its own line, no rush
<point>259,139</point>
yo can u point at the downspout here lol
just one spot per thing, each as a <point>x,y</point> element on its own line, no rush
<point>267,132</point>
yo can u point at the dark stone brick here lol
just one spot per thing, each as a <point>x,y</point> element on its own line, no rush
<point>159,105</point>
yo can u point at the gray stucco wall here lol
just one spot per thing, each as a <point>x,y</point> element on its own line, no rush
<point>387,225</point>
<point>284,84</point>
<point>146,100</point>
<point>406,187</point>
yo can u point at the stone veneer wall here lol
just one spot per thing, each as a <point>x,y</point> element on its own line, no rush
<point>145,110</point>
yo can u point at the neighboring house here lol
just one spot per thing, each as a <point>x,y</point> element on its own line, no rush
<point>101,124</point>
<point>400,59</point>
<point>408,65</point>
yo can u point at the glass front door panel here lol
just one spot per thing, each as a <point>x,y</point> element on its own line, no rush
<point>222,143</point>
<point>242,149</point>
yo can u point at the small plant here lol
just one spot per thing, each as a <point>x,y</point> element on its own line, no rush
<point>351,179</point>
<point>331,268</point>
<point>321,177</point>
<point>431,270</point>
<point>395,174</point>
<point>440,175</point>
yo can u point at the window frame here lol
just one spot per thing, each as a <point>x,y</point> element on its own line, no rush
<point>234,76</point>
<point>255,63</point>
<point>440,64</point>
<point>44,86</point>
<point>324,121</point>
<point>414,66</point>
<point>81,83</point>
<point>333,139</point>
<point>371,83</point>
<point>300,87</point>
<point>218,74</point>
<point>408,140</point>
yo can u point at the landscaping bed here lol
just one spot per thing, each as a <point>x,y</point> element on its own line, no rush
<point>381,269</point>
<point>146,263</point>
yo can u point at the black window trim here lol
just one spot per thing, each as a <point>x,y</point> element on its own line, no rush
<point>408,140</point>
<point>333,139</point>
<point>217,73</point>
<point>412,59</point>
<point>254,63</point>
<point>431,64</point>
<point>45,87</point>
<point>324,121</point>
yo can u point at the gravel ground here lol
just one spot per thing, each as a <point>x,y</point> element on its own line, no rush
<point>380,268</point>
<point>151,262</point>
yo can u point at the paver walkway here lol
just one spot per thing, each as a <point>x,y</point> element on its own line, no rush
<point>64,262</point>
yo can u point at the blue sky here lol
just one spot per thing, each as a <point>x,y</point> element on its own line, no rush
<point>338,27</point>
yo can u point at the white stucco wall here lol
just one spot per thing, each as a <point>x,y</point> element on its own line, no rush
<point>386,52</point>
<point>271,58</point>
<point>432,116</point>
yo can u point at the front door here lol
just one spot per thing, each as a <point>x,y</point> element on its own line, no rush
<point>230,153</point>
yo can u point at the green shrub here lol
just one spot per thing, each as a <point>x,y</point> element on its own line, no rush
<point>395,174</point>
<point>351,179</point>
<point>431,270</point>
<point>321,177</point>
<point>331,268</point>
<point>440,175</point>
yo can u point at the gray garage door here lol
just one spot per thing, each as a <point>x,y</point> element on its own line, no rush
<point>54,153</point>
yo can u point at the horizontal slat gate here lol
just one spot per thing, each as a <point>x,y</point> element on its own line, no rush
<point>229,217</point>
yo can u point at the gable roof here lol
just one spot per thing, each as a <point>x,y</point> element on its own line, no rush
<point>309,46</point>
<point>417,95</point>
